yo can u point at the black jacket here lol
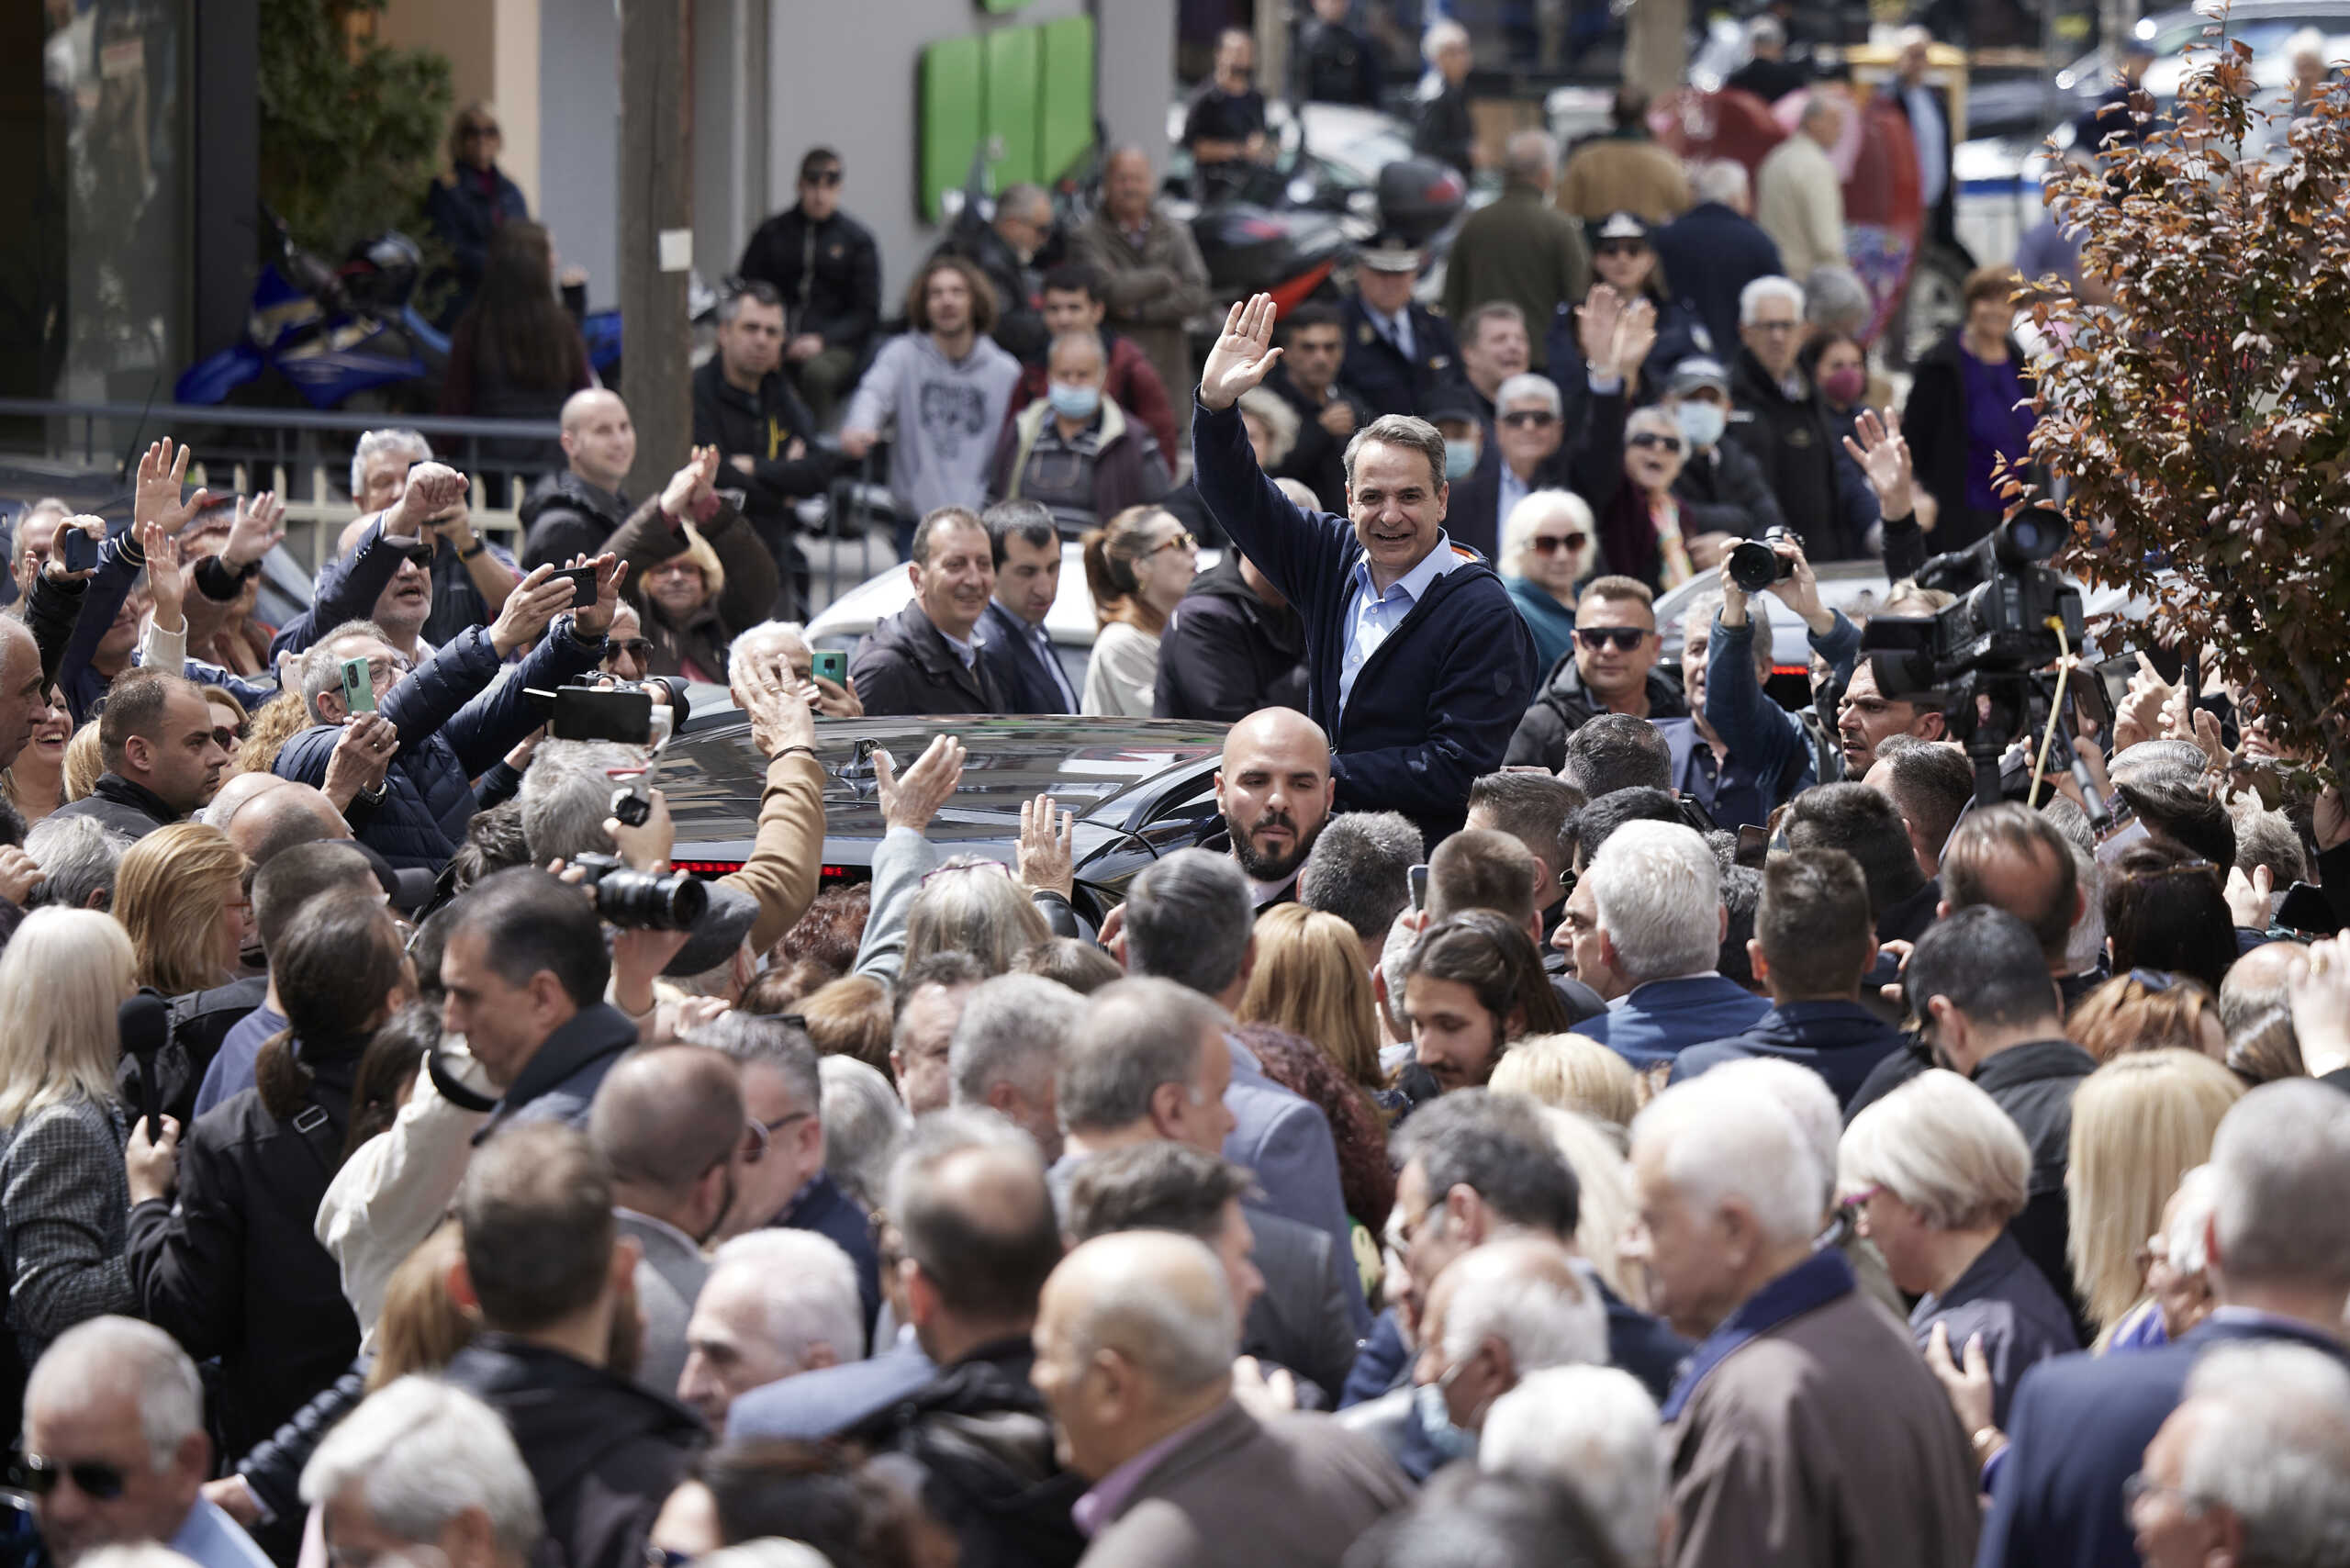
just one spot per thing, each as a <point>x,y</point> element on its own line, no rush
<point>565,516</point>
<point>273,1469</point>
<point>1474,516</point>
<point>1318,458</point>
<point>603,1452</point>
<point>1934,423</point>
<point>200,1021</point>
<point>1563,706</point>
<point>1794,441</point>
<point>1710,252</point>
<point>982,1440</point>
<point>1723,491</point>
<point>829,275</point>
<point>1010,652</point>
<point>742,601</point>
<point>2034,1085</point>
<point>234,1270</point>
<point>1445,131</point>
<point>1375,370</point>
<point>1336,64</point>
<point>127,808</point>
<point>1226,653</point>
<point>760,426</point>
<point>904,665</point>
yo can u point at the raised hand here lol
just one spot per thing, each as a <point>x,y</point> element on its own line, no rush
<point>1243,355</point>
<point>165,581</point>
<point>595,620</point>
<point>261,523</point>
<point>2141,717</point>
<point>1884,457</point>
<point>1634,335</point>
<point>162,470</point>
<point>432,488</point>
<point>54,568</point>
<point>536,599</point>
<point>1596,320</point>
<point>363,755</point>
<point>911,801</point>
<point>684,492</point>
<point>1047,853</point>
<point>767,689</point>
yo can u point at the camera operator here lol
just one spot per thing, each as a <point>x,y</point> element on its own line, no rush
<point>432,736</point>
<point>1764,754</point>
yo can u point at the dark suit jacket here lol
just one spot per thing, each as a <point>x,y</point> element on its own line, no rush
<point>905,666</point>
<point>1376,371</point>
<point>1304,1318</point>
<point>1710,252</point>
<point>1011,655</point>
<point>1659,1019</point>
<point>1240,1493</point>
<point>1285,1139</point>
<point>1473,516</point>
<point>2079,1429</point>
<point>1842,1041</point>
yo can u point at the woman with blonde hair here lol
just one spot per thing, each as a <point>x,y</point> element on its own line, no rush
<point>1605,1206</point>
<point>181,894</point>
<point>84,762</point>
<point>1139,566</point>
<point>1573,1072</point>
<point>1309,980</point>
<point>64,1200</point>
<point>973,905</point>
<point>2140,1123</point>
<point>1548,546</point>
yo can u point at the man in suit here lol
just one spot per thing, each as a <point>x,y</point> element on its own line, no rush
<point>1713,250</point>
<point>2280,1267</point>
<point>1134,1341</point>
<point>670,1124</point>
<point>1188,919</point>
<point>1657,891</point>
<point>1026,550</point>
<point>1525,454</point>
<point>1397,352</point>
<point>926,658</point>
<point>2254,1414</point>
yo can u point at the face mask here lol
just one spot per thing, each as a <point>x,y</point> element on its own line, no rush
<point>1074,402</point>
<point>1460,460</point>
<point>1845,385</point>
<point>1436,1422</point>
<point>1701,423</point>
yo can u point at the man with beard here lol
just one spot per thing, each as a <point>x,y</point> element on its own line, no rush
<point>1274,789</point>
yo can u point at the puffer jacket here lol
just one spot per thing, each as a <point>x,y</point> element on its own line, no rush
<point>451,729</point>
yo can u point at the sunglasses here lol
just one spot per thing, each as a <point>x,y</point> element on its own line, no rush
<point>1551,543</point>
<point>39,1474</point>
<point>1530,419</point>
<point>419,555</point>
<point>1651,438</point>
<point>759,1137</point>
<point>1182,541</point>
<point>638,648</point>
<point>1623,639</point>
<point>822,177</point>
<point>1623,248</point>
<point>227,736</point>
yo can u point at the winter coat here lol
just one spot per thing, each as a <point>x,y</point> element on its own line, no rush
<point>1034,462</point>
<point>1624,170</point>
<point>1226,653</point>
<point>114,801</point>
<point>760,426</point>
<point>1521,251</point>
<point>905,666</point>
<point>1794,440</point>
<point>70,619</point>
<point>828,273</point>
<point>567,516</point>
<point>1564,706</point>
<point>64,1203</point>
<point>1131,381</point>
<point>1149,288</point>
<point>1711,253</point>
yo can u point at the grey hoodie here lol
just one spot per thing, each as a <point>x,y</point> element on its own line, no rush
<point>948,413</point>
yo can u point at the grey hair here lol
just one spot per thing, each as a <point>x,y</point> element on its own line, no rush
<point>1189,919</point>
<point>1136,1036</point>
<point>568,793</point>
<point>1358,869</point>
<point>1399,430</point>
<point>1536,507</point>
<point>79,857</point>
<point>1944,1148</point>
<point>1025,195</point>
<point>323,667</point>
<point>1721,1141</point>
<point>374,443</point>
<point>124,1356</point>
<point>1765,32</point>
<point>1658,889</point>
<point>1528,152</point>
<point>2267,838</point>
<point>1013,1031</point>
<point>1272,409</point>
<point>2274,1448</point>
<point>421,1453</point>
<point>1653,417</point>
<point>1702,609</point>
<point>1750,298</point>
<point>1442,35</point>
<point>1835,296</point>
<point>864,1123</point>
<point>46,505</point>
<point>1804,1096</point>
<point>1722,180</point>
<point>751,1039</point>
<point>807,1290</point>
<point>1501,1298</point>
<point>1595,1430</point>
<point>941,1134</point>
<point>1526,384</point>
<point>768,636</point>
<point>2283,1157</point>
<point>965,907</point>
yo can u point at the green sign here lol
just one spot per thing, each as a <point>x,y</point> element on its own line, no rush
<point>1029,90</point>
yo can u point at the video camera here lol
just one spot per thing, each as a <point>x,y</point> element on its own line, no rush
<point>1982,653</point>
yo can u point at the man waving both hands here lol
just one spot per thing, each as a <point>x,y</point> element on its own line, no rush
<point>1421,668</point>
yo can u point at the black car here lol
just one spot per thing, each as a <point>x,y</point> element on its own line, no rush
<point>1141,789</point>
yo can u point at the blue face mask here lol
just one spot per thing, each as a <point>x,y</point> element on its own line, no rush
<point>1074,402</point>
<point>1701,423</point>
<point>1460,459</point>
<point>1436,1422</point>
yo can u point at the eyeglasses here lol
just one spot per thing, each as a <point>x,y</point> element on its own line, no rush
<point>1530,419</point>
<point>1182,541</point>
<point>1401,1231</point>
<point>1653,440</point>
<point>759,1137</point>
<point>39,1474</point>
<point>1551,543</point>
<point>637,648</point>
<point>1623,639</point>
<point>227,736</point>
<point>822,177</point>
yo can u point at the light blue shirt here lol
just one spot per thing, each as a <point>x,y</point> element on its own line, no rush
<point>1373,616</point>
<point>212,1540</point>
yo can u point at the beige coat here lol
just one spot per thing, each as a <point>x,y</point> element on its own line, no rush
<point>1799,202</point>
<point>1149,290</point>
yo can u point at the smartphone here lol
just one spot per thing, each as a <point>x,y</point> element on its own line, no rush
<point>583,583</point>
<point>2092,706</point>
<point>587,713</point>
<point>81,550</point>
<point>2306,908</point>
<point>831,664</point>
<point>1419,875</point>
<point>358,687</point>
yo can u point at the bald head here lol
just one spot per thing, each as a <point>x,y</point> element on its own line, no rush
<point>1275,790</point>
<point>264,823</point>
<point>598,437</point>
<point>1156,1300</point>
<point>21,702</point>
<point>663,1119</point>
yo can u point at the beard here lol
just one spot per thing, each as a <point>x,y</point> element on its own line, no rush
<point>1262,867</point>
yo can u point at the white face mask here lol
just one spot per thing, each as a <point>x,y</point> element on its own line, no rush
<point>1701,423</point>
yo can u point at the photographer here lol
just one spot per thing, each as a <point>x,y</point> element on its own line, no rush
<point>1770,751</point>
<point>430,735</point>
<point>697,573</point>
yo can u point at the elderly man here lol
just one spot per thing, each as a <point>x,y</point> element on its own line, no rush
<point>2254,1467</point>
<point>1799,196</point>
<point>1716,249</point>
<point>24,687</point>
<point>1656,892</point>
<point>1495,346</point>
<point>1806,1429</point>
<point>1274,791</point>
<point>1135,1340</point>
<point>1614,671</point>
<point>1445,129</point>
<point>928,1006</point>
<point>1519,248</point>
<point>1504,1310</point>
<point>1152,278</point>
<point>1399,354</point>
<point>1007,1051</point>
<point>471,577</point>
<point>1593,1430</point>
<point>1074,303</point>
<point>1004,248</point>
<point>115,1450</point>
<point>1388,603</point>
<point>1720,488</point>
<point>424,1470</point>
<point>774,1304</point>
<point>1527,454</point>
<point>1785,425</point>
<point>573,512</point>
<point>924,659</point>
<point>1074,448</point>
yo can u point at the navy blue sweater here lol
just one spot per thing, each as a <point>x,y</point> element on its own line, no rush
<point>1435,707</point>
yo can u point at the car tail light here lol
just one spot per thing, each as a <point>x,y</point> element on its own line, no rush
<point>711,868</point>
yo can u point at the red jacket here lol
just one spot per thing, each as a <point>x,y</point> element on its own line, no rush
<point>1133,385</point>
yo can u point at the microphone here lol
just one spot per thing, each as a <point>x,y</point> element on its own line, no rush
<point>145,1022</point>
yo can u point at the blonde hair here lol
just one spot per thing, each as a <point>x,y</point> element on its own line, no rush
<point>277,720</point>
<point>62,977</point>
<point>1112,551</point>
<point>1309,980</point>
<point>1944,1148</point>
<point>2140,1123</point>
<point>1570,1072</point>
<point>421,1327</point>
<point>168,895</point>
<point>1604,1207</point>
<point>703,554</point>
<point>82,762</point>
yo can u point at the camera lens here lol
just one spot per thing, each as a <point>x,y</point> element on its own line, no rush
<point>642,902</point>
<point>1754,566</point>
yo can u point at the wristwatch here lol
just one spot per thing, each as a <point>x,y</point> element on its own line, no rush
<point>372,798</point>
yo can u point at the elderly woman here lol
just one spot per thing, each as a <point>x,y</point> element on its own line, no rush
<point>1646,529</point>
<point>1936,1170</point>
<point>697,573</point>
<point>1548,546</point>
<point>181,894</point>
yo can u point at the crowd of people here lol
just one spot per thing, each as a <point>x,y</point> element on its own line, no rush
<point>1572,1108</point>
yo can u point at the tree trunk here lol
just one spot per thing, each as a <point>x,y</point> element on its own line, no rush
<point>1656,45</point>
<point>657,234</point>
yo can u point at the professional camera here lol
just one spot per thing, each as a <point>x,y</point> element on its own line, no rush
<point>640,900</point>
<point>1754,566</point>
<point>1981,653</point>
